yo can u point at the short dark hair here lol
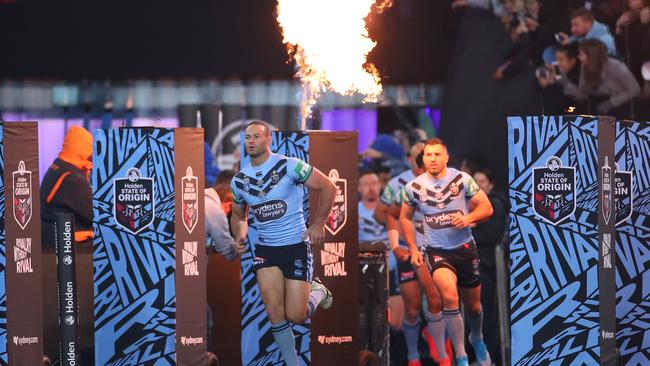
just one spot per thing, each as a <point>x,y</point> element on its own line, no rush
<point>571,50</point>
<point>583,13</point>
<point>419,160</point>
<point>366,172</point>
<point>225,176</point>
<point>435,141</point>
<point>259,122</point>
<point>487,172</point>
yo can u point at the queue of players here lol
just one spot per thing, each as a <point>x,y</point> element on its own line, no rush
<point>426,215</point>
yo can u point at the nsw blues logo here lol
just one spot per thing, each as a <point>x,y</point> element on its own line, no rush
<point>623,197</point>
<point>190,184</point>
<point>22,200</point>
<point>553,197</point>
<point>339,213</point>
<point>133,203</point>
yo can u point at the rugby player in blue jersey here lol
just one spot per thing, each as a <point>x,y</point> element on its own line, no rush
<point>270,188</point>
<point>450,202</point>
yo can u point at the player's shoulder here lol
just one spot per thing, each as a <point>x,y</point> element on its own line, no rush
<point>405,177</point>
<point>421,179</point>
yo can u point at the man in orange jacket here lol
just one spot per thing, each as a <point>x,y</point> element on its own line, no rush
<point>66,187</point>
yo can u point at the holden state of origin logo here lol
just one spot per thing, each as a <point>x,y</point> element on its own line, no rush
<point>133,201</point>
<point>22,190</point>
<point>190,185</point>
<point>623,197</point>
<point>554,191</point>
<point>606,189</point>
<point>339,213</point>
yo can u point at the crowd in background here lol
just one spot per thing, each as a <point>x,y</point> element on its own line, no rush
<point>588,56</point>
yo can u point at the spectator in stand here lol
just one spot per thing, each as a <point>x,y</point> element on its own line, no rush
<point>605,79</point>
<point>487,235</point>
<point>523,27</point>
<point>583,27</point>
<point>387,151</point>
<point>554,99</point>
<point>633,35</point>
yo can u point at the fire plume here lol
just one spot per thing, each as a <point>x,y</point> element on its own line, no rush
<point>329,41</point>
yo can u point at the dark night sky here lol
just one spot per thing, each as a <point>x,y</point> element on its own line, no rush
<point>118,39</point>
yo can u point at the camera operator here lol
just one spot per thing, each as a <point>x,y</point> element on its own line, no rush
<point>605,80</point>
<point>567,65</point>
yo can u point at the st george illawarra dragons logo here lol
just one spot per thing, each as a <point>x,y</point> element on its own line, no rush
<point>133,201</point>
<point>554,191</point>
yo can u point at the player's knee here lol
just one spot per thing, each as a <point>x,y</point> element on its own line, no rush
<point>296,317</point>
<point>275,313</point>
<point>395,323</point>
<point>412,314</point>
<point>450,299</point>
<point>474,307</point>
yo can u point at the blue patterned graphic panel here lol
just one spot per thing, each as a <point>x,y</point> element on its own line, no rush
<point>553,240</point>
<point>258,346</point>
<point>134,258</point>
<point>3,259</point>
<point>632,244</point>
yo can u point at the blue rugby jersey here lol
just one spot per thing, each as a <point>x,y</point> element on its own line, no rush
<point>436,200</point>
<point>392,194</point>
<point>274,197</point>
<point>369,228</point>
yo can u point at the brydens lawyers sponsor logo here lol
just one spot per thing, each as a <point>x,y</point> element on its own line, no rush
<point>332,258</point>
<point>191,341</point>
<point>270,210</point>
<point>190,264</point>
<point>441,220</point>
<point>334,339</point>
<point>25,341</point>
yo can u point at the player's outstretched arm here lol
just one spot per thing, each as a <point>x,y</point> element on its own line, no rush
<point>318,181</point>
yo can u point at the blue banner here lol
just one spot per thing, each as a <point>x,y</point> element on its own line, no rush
<point>554,240</point>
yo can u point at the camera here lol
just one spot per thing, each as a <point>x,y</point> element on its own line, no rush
<point>556,71</point>
<point>541,72</point>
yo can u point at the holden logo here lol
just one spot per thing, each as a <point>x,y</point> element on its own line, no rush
<point>67,260</point>
<point>69,320</point>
